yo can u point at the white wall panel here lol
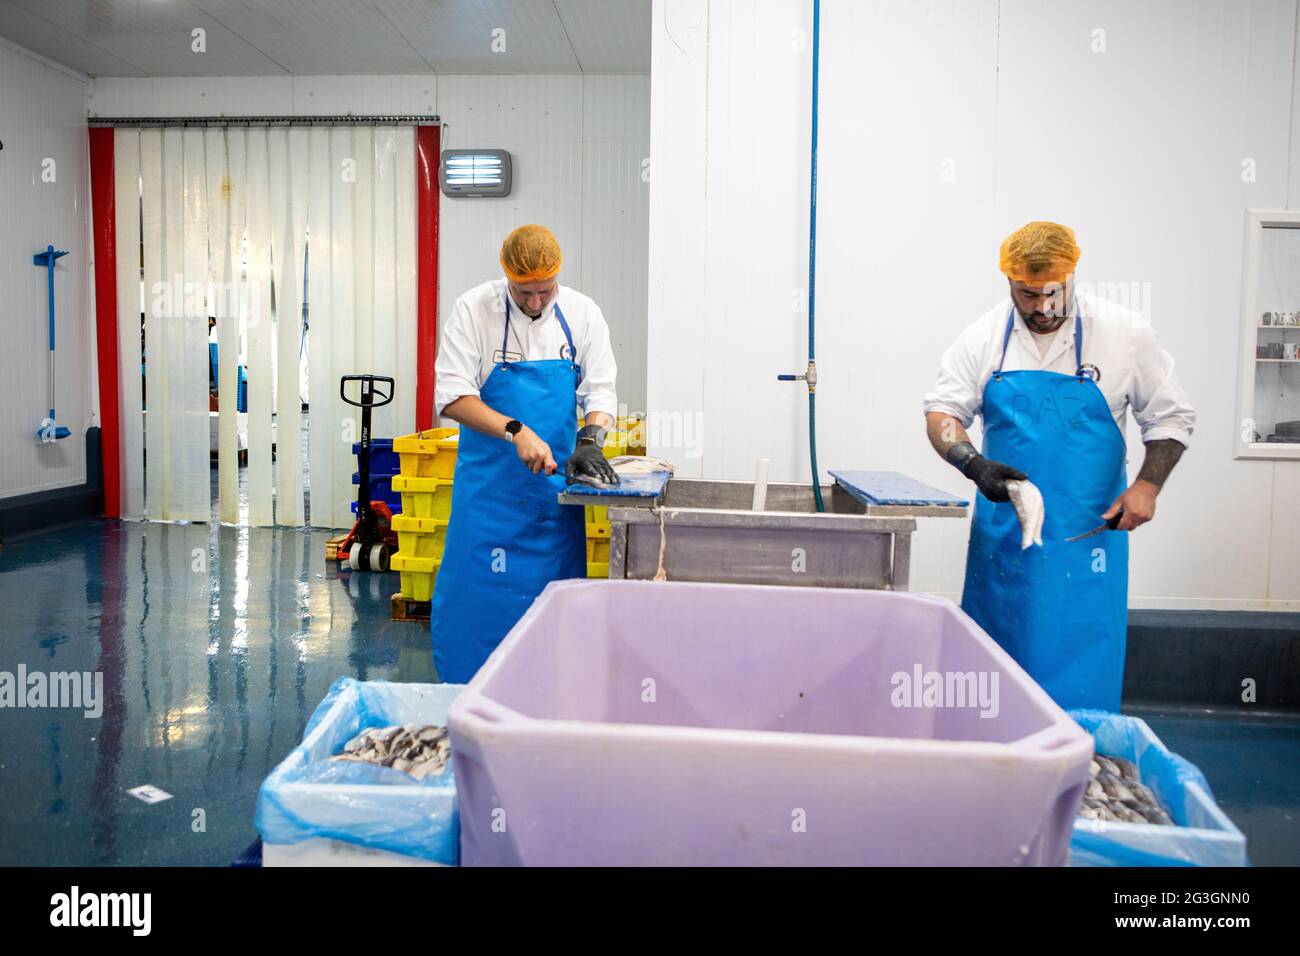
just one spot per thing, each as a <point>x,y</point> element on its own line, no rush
<point>615,207</point>
<point>43,109</point>
<point>539,120</point>
<point>675,281</point>
<point>577,143</point>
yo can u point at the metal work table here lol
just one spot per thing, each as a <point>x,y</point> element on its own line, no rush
<point>709,532</point>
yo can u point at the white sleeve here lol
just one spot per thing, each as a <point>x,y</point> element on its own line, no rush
<point>596,391</point>
<point>958,390</point>
<point>456,371</point>
<point>1160,406</point>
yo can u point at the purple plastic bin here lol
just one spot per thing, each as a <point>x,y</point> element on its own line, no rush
<point>635,722</point>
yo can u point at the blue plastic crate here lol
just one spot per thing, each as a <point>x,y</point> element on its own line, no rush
<point>383,460</point>
<point>381,489</point>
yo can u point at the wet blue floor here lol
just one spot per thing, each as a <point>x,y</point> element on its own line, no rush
<point>1252,763</point>
<point>216,643</point>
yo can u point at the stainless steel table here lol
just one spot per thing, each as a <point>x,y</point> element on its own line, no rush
<point>709,532</point>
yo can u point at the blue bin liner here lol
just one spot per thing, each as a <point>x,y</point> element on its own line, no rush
<point>370,806</point>
<point>383,460</point>
<point>1204,835</point>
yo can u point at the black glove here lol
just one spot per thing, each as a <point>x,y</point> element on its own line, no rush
<point>990,477</point>
<point>588,459</point>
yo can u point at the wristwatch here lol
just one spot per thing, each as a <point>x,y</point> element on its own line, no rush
<point>513,428</point>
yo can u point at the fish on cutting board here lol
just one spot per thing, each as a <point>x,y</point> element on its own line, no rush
<point>626,466</point>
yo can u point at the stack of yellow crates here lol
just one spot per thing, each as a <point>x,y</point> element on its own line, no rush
<point>627,437</point>
<point>428,462</point>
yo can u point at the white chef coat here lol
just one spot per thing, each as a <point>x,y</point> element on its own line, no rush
<point>471,344</point>
<point>1136,372</point>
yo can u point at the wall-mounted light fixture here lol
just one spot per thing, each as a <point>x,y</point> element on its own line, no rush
<point>473,173</point>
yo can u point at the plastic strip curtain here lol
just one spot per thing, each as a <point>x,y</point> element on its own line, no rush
<point>226,178</point>
<point>361,297</point>
<point>287,151</point>
<point>130,310</point>
<point>322,383</point>
<point>394,286</point>
<point>259,340</point>
<point>232,219</point>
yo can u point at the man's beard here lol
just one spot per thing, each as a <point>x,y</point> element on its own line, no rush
<point>1040,323</point>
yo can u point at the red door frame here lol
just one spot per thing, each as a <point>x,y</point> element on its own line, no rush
<point>103,231</point>
<point>428,140</point>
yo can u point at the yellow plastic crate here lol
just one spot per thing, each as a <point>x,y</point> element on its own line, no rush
<point>420,537</point>
<point>597,569</point>
<point>598,547</point>
<point>616,439</point>
<point>417,574</point>
<point>615,443</point>
<point>428,454</point>
<point>635,431</point>
<point>424,497</point>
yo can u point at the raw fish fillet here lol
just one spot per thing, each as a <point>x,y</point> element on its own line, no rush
<point>1028,502</point>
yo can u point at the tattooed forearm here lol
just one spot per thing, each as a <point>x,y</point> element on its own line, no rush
<point>1162,455</point>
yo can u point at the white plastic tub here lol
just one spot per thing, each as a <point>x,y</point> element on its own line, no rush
<point>315,812</point>
<point>1204,835</point>
<point>321,851</point>
<point>635,722</point>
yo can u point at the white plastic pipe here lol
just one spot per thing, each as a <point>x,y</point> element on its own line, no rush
<point>760,484</point>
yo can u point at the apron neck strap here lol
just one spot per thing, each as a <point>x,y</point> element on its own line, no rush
<point>564,324</point>
<point>1078,343</point>
<point>505,334</point>
<point>568,335</point>
<point>1078,340</point>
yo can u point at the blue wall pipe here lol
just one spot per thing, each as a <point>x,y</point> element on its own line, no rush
<point>810,375</point>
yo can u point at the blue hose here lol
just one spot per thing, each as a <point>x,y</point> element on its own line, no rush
<point>812,262</point>
<point>810,374</point>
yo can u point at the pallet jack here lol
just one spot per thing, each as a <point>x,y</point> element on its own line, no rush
<point>372,540</point>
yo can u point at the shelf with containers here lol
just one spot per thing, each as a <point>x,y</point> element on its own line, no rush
<point>1268,392</point>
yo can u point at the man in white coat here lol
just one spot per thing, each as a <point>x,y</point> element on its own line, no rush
<point>1053,374</point>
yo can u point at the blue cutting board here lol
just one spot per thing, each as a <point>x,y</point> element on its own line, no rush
<point>893,488</point>
<point>632,486</point>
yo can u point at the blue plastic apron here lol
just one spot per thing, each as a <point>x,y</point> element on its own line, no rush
<point>1061,610</point>
<point>508,536</point>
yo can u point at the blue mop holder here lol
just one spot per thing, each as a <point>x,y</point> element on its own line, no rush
<point>47,259</point>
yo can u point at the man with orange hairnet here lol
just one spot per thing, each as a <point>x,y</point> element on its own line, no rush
<point>1053,374</point>
<point>518,355</point>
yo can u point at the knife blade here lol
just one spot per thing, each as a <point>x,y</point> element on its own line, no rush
<point>1110,525</point>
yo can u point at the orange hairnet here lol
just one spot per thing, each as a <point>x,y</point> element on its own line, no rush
<point>531,254</point>
<point>1039,253</point>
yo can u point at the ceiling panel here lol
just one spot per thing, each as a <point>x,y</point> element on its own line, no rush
<point>40,36</point>
<point>154,36</point>
<point>311,37</point>
<point>487,36</point>
<point>319,36</point>
<point>608,36</point>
